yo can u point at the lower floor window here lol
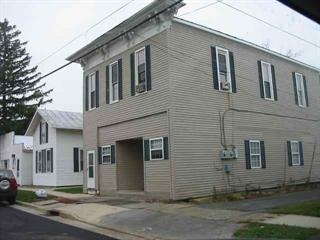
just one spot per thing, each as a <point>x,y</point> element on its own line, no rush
<point>106,154</point>
<point>295,153</point>
<point>156,148</point>
<point>44,161</point>
<point>255,154</point>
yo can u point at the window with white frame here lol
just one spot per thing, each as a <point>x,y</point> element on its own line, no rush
<point>140,70</point>
<point>106,154</point>
<point>295,153</point>
<point>114,82</point>
<point>255,154</point>
<point>156,148</point>
<point>300,90</point>
<point>44,132</point>
<point>267,80</point>
<point>92,91</point>
<point>223,66</point>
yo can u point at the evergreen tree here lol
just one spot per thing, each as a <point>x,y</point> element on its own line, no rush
<point>20,87</point>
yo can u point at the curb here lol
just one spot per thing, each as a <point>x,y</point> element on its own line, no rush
<point>54,212</point>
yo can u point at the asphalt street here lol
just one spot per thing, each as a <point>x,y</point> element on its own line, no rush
<point>19,225</point>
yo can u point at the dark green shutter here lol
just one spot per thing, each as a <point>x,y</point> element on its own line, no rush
<point>47,132</point>
<point>305,90</point>
<point>295,88</point>
<point>107,85</point>
<point>113,154</point>
<point>133,81</point>
<point>289,153</point>
<point>301,154</point>
<point>214,68</point>
<point>232,73</point>
<point>97,89</point>
<point>263,154</point>
<point>275,92</point>
<point>146,150</point>
<point>247,154</point>
<point>148,67</point>
<point>166,148</point>
<point>75,159</point>
<point>86,94</point>
<point>260,79</point>
<point>99,155</point>
<point>36,162</point>
<point>120,78</point>
<point>40,132</point>
<point>51,156</point>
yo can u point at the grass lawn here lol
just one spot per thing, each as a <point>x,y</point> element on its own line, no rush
<point>72,190</point>
<point>30,196</point>
<point>309,208</point>
<point>260,230</point>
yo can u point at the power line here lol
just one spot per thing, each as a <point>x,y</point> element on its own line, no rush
<point>198,9</point>
<point>269,24</point>
<point>120,35</point>
<point>77,37</point>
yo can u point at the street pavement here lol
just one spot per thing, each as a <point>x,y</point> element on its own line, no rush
<point>17,225</point>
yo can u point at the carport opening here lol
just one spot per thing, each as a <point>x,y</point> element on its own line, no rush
<point>130,173</point>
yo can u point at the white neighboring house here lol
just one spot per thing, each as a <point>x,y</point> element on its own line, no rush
<point>57,148</point>
<point>16,154</point>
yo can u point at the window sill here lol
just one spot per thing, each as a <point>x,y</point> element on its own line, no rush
<point>269,99</point>
<point>91,109</point>
<point>225,91</point>
<point>137,94</point>
<point>114,102</point>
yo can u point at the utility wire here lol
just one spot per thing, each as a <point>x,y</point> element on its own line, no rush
<point>198,9</point>
<point>77,37</point>
<point>271,25</point>
<point>113,39</point>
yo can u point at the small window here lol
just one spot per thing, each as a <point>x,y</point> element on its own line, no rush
<point>156,149</point>
<point>255,154</point>
<point>106,154</point>
<point>267,80</point>
<point>114,82</point>
<point>295,153</point>
<point>92,91</point>
<point>43,132</point>
<point>223,66</point>
<point>140,70</point>
<point>300,90</point>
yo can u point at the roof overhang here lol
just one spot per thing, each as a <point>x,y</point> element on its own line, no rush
<point>126,28</point>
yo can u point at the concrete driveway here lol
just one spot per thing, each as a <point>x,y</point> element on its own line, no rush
<point>266,203</point>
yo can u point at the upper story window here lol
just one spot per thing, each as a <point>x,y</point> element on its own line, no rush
<point>300,90</point>
<point>267,80</point>
<point>156,149</point>
<point>223,65</point>
<point>114,82</point>
<point>140,69</point>
<point>43,132</point>
<point>92,91</point>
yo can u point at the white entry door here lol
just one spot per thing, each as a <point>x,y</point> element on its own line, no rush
<point>91,170</point>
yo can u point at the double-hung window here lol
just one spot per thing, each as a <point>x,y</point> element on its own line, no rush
<point>92,91</point>
<point>49,160</point>
<point>267,80</point>
<point>140,70</point>
<point>156,149</point>
<point>300,90</point>
<point>81,159</point>
<point>39,162</point>
<point>114,82</point>
<point>295,153</point>
<point>106,154</point>
<point>223,67</point>
<point>255,153</point>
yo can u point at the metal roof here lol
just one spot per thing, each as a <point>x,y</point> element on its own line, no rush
<point>27,141</point>
<point>56,119</point>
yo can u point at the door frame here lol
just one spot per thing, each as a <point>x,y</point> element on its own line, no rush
<point>91,183</point>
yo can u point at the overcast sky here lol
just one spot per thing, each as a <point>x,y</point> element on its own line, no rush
<point>49,24</point>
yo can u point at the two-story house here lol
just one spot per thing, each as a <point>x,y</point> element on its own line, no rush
<point>174,110</point>
<point>16,154</point>
<point>57,148</point>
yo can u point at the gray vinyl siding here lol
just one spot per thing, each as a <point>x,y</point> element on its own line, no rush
<point>142,116</point>
<point>195,116</point>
